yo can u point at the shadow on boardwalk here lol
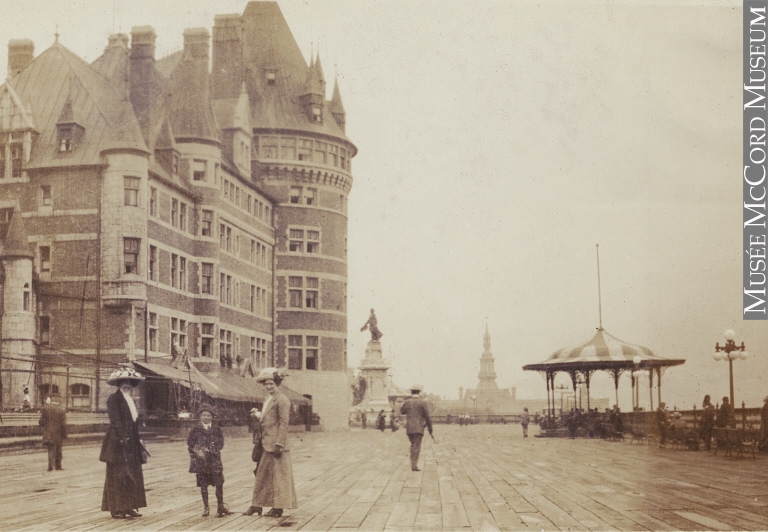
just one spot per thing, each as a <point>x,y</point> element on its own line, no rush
<point>482,477</point>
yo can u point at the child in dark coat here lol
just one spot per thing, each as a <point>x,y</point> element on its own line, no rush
<point>205,443</point>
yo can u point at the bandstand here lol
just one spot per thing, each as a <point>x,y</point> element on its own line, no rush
<point>603,352</point>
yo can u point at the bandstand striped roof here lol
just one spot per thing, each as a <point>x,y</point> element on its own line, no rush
<point>603,351</point>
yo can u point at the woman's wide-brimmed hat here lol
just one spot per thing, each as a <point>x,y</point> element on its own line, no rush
<point>270,373</point>
<point>417,388</point>
<point>205,407</point>
<point>125,373</point>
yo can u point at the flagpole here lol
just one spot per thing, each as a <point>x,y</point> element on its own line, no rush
<point>599,295</point>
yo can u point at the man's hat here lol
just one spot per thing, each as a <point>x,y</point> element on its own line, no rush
<point>205,407</point>
<point>417,388</point>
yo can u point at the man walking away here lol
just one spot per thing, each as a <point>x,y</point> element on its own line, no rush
<point>524,420</point>
<point>53,419</point>
<point>417,417</point>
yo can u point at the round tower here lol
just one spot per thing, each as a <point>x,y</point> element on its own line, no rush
<point>301,158</point>
<point>18,318</point>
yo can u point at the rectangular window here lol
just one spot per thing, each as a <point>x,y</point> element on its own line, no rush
<point>174,269</point>
<point>131,254</point>
<point>312,357</point>
<point>229,289</point>
<point>45,258</point>
<point>288,148</point>
<point>231,192</point>
<point>343,159</point>
<point>153,201</point>
<point>229,239</point>
<point>152,331</point>
<point>248,201</point>
<point>313,241</point>
<point>198,170</point>
<point>222,287</point>
<point>264,256</point>
<point>253,251</point>
<point>183,216</point>
<point>222,236</point>
<point>225,347</point>
<point>313,284</point>
<point>2,156</point>
<point>178,335</point>
<point>321,152</point>
<point>295,194</point>
<point>269,147</point>
<point>207,222</point>
<point>295,292</point>
<point>310,196</point>
<point>45,192</point>
<point>182,273</point>
<point>207,278</point>
<point>296,242</point>
<point>174,212</point>
<point>252,299</point>
<point>206,343</point>
<point>45,330</point>
<point>152,263</point>
<point>334,153</point>
<point>305,150</point>
<point>267,217</point>
<point>131,185</point>
<point>17,152</point>
<point>237,196</point>
<point>225,185</point>
<point>294,352</point>
<point>254,357</point>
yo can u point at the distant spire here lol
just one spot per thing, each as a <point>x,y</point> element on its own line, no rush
<point>337,107</point>
<point>486,338</point>
<point>311,54</point>
<point>57,33</point>
<point>319,69</point>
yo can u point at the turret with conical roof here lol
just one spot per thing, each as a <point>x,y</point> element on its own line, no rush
<point>337,107</point>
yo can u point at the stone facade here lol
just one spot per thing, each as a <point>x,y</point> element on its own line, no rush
<point>205,213</point>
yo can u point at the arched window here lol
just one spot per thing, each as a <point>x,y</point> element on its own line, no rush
<point>79,395</point>
<point>47,389</point>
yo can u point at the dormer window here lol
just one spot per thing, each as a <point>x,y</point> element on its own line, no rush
<point>317,114</point>
<point>17,153</point>
<point>65,138</point>
<point>198,170</point>
<point>271,76</point>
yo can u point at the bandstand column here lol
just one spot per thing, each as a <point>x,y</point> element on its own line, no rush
<point>587,375</point>
<point>658,374</point>
<point>549,410</point>
<point>650,385</point>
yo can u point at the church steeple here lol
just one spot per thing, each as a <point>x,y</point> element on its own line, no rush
<point>487,375</point>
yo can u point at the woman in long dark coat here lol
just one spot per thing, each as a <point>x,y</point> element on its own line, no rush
<point>121,450</point>
<point>274,475</point>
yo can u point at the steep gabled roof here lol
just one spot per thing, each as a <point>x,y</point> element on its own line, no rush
<point>16,243</point>
<point>58,75</point>
<point>336,106</point>
<point>268,44</point>
<point>191,114</point>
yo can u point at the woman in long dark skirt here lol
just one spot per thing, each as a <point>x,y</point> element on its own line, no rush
<point>121,450</point>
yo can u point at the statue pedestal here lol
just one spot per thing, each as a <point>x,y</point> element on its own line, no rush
<point>373,369</point>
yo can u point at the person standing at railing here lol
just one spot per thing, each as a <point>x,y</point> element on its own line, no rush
<point>764,425</point>
<point>662,423</point>
<point>707,422</point>
<point>724,414</point>
<point>53,419</point>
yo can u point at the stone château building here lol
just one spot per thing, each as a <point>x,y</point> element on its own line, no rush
<point>153,206</point>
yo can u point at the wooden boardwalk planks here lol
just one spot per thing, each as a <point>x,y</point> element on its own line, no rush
<point>475,478</point>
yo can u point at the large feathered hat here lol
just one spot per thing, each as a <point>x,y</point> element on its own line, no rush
<point>125,373</point>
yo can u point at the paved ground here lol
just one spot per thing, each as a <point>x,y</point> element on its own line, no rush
<point>483,477</point>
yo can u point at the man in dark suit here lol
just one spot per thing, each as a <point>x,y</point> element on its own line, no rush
<point>53,419</point>
<point>417,417</point>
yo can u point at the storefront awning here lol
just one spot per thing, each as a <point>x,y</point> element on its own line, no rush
<point>226,385</point>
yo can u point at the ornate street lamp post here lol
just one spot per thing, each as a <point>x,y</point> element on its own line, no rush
<point>731,351</point>
<point>473,398</point>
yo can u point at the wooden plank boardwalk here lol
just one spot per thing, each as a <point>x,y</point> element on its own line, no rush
<point>482,477</point>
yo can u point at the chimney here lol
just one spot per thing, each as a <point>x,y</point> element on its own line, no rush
<point>142,69</point>
<point>20,54</point>
<point>226,74</point>
<point>196,43</point>
<point>119,40</point>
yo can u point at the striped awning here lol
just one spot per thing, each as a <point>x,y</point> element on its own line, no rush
<point>603,351</point>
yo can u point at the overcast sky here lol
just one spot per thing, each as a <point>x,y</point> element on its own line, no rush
<point>498,143</point>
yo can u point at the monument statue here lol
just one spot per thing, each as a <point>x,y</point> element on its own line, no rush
<point>371,326</point>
